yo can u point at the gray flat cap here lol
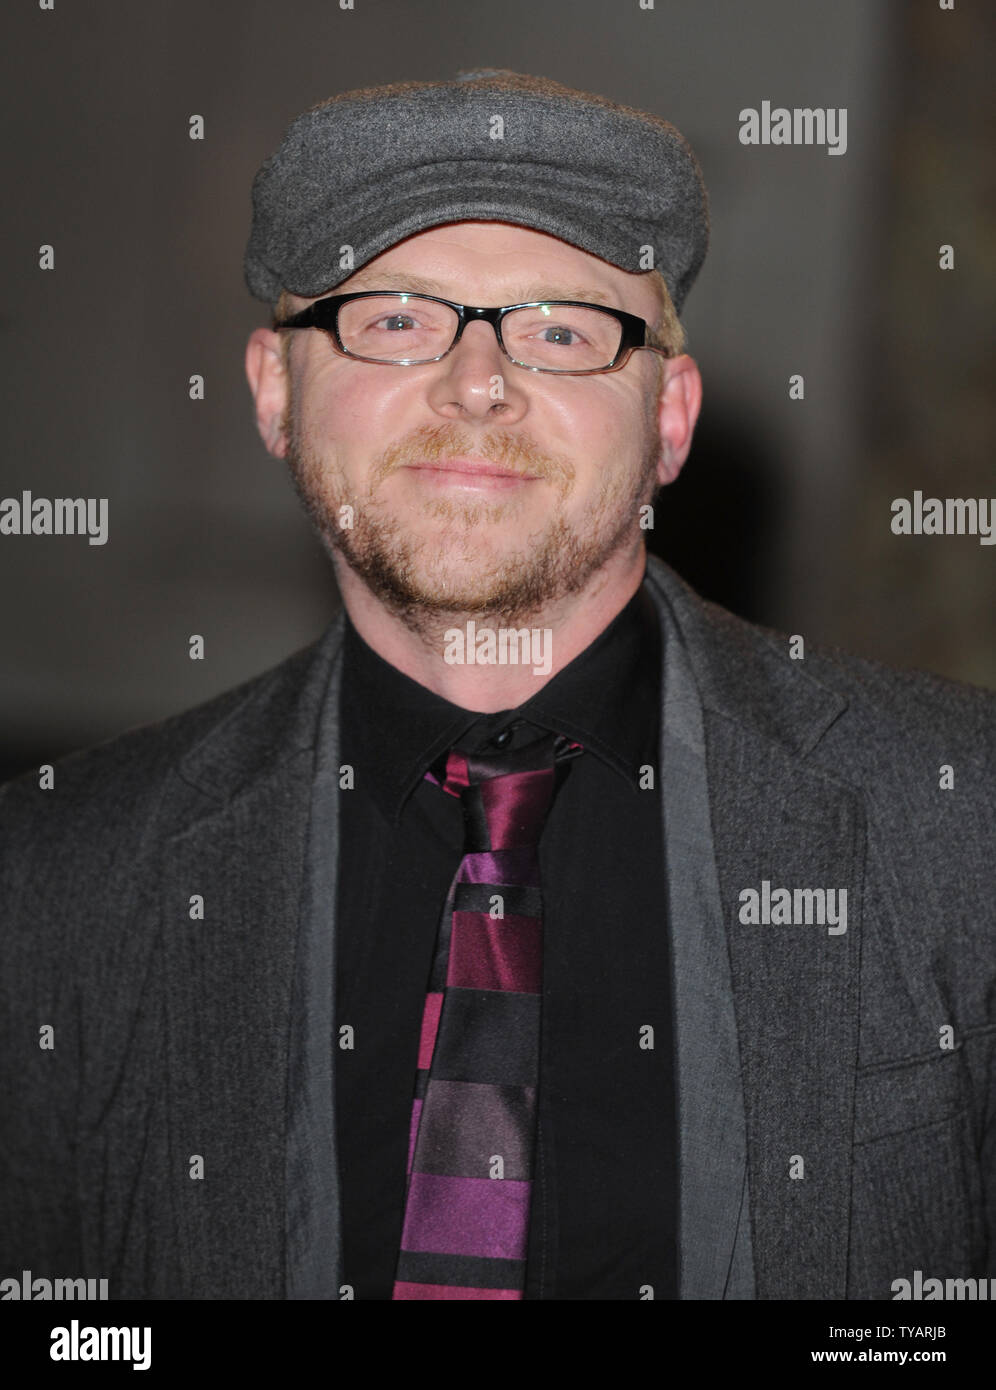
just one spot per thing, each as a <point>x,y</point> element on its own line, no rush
<point>370,167</point>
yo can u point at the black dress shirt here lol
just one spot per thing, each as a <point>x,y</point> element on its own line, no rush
<point>604,1202</point>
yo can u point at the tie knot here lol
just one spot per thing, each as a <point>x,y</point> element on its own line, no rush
<point>506,796</point>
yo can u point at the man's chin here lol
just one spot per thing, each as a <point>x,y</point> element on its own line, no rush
<point>441,589</point>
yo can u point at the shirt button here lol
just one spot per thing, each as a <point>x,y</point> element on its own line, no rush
<point>501,739</point>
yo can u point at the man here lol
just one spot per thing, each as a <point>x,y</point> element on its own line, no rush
<point>543,931</point>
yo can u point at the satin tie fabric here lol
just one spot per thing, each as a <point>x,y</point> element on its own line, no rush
<point>473,1125</point>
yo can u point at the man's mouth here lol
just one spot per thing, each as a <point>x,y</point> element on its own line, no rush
<point>470,472</point>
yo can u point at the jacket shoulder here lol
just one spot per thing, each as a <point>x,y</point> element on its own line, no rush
<point>110,788</point>
<point>895,713</point>
<point>886,704</point>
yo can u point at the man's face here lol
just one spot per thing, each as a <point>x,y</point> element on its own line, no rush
<point>427,534</point>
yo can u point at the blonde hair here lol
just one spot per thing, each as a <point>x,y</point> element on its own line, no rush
<point>667,332</point>
<point>283,310</point>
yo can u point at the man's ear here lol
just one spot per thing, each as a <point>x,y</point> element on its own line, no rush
<point>677,411</point>
<point>270,386</point>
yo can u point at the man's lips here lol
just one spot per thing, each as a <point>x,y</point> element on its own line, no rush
<point>471,472</point>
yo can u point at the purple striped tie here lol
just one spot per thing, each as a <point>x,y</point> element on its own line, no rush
<point>473,1126</point>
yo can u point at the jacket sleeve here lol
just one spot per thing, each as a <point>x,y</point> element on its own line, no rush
<point>39,1043</point>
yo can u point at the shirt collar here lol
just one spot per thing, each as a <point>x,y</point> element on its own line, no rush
<point>607,699</point>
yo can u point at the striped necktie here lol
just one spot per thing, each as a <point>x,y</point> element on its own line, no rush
<point>473,1125</point>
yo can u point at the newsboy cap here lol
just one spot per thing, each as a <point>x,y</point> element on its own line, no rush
<point>370,167</point>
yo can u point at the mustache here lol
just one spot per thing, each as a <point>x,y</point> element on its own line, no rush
<point>433,443</point>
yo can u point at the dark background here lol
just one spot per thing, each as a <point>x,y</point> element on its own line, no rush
<point>821,265</point>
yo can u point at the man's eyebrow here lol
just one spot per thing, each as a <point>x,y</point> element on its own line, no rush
<point>420,284</point>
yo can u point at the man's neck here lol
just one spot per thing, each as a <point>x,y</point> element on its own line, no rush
<point>479,665</point>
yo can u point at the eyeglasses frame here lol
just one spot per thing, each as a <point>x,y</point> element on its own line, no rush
<point>324,314</point>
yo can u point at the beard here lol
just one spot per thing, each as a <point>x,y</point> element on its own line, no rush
<point>463,567</point>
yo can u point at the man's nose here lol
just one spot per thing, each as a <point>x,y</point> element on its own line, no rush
<point>476,378</point>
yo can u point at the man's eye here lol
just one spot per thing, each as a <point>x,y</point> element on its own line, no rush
<point>396,322</point>
<point>562,335</point>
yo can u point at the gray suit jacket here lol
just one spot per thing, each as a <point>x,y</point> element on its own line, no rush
<point>837,1092</point>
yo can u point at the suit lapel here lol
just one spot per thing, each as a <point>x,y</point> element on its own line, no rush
<point>241,802</point>
<point>314,1234</point>
<point>779,815</point>
<point>714,1230</point>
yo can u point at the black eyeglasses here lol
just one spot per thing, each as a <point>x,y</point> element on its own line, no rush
<point>406,330</point>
